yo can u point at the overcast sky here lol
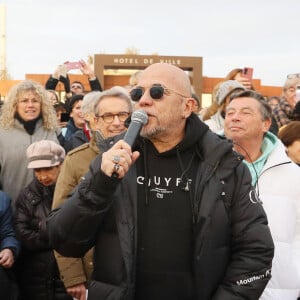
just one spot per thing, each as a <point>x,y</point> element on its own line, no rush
<point>263,34</point>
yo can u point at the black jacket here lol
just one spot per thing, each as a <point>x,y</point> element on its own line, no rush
<point>232,246</point>
<point>37,270</point>
<point>77,139</point>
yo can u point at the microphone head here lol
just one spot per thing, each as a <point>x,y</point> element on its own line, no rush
<point>139,116</point>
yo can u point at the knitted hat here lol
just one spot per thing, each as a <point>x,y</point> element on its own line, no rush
<point>44,154</point>
<point>226,88</point>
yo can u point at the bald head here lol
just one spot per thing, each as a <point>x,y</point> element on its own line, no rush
<point>168,75</point>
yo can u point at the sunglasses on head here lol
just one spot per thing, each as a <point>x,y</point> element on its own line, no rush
<point>292,76</point>
<point>156,91</point>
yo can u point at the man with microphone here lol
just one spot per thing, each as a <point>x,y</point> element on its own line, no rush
<point>169,212</point>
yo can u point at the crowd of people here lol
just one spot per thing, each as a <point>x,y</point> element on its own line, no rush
<point>204,204</point>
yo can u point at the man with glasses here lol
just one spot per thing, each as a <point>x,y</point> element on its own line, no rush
<point>178,221</point>
<point>284,111</point>
<point>106,113</point>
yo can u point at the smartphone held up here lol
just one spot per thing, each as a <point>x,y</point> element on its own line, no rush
<point>73,65</point>
<point>64,117</point>
<point>248,73</point>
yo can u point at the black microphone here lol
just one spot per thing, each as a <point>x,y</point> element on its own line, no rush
<point>138,119</point>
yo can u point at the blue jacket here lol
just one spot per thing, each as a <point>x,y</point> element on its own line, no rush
<point>7,235</point>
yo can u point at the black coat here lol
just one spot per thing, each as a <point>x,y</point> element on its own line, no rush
<point>233,248</point>
<point>77,139</point>
<point>37,271</point>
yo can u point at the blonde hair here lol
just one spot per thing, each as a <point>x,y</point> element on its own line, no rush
<point>9,109</point>
<point>215,106</point>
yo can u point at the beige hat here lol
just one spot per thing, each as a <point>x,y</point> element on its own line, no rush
<point>44,154</point>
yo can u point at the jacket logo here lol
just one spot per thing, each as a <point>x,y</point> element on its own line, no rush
<point>162,186</point>
<point>248,280</point>
<point>160,192</point>
<point>254,197</point>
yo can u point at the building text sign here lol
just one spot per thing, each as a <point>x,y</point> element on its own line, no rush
<point>140,62</point>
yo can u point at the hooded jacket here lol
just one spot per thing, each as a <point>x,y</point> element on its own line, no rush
<point>232,245</point>
<point>279,190</point>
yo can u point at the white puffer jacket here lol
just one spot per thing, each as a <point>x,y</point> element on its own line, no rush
<point>279,190</point>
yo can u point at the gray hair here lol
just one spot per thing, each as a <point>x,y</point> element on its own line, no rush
<point>88,102</point>
<point>116,91</point>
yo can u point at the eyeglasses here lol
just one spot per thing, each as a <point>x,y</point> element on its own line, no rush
<point>292,76</point>
<point>76,86</point>
<point>27,101</point>
<point>109,118</point>
<point>156,92</point>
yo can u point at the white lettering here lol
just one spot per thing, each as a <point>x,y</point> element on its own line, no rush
<point>148,61</point>
<point>160,181</point>
<point>253,278</point>
<point>167,180</point>
<point>171,61</point>
<point>126,60</point>
<point>140,180</point>
<point>156,180</point>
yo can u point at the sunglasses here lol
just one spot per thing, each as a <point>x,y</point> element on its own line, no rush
<point>292,76</point>
<point>156,91</point>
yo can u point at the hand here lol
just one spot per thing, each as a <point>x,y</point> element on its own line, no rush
<point>6,258</point>
<point>87,70</point>
<point>77,291</point>
<point>62,124</point>
<point>245,82</point>
<point>118,159</point>
<point>61,70</point>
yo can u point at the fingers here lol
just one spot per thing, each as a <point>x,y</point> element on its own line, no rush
<point>77,291</point>
<point>245,82</point>
<point>6,259</point>
<point>118,160</point>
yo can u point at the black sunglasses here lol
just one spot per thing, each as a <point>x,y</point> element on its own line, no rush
<point>156,92</point>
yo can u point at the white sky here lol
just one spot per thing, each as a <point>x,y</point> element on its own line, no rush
<point>263,34</point>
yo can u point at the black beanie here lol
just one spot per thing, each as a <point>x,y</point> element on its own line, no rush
<point>74,99</point>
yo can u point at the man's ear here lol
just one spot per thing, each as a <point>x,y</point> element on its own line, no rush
<point>190,106</point>
<point>266,125</point>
